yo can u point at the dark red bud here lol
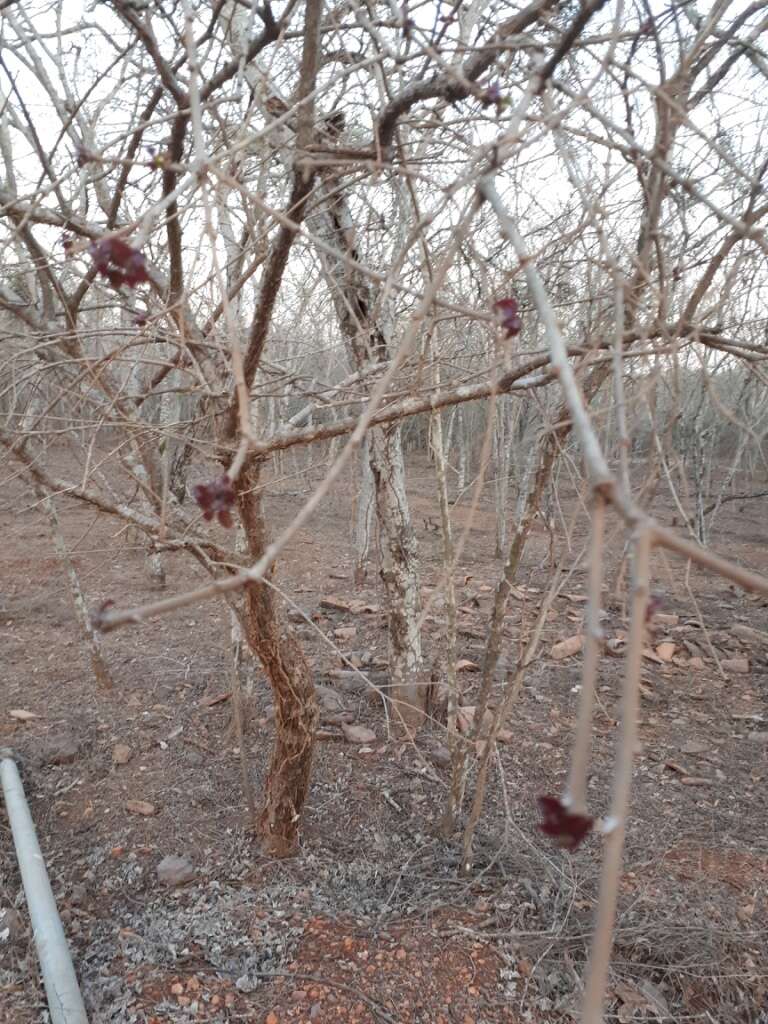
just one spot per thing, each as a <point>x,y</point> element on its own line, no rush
<point>508,317</point>
<point>216,499</point>
<point>119,262</point>
<point>567,829</point>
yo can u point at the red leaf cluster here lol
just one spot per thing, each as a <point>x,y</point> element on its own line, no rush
<point>493,97</point>
<point>118,262</point>
<point>508,316</point>
<point>83,156</point>
<point>567,829</point>
<point>216,499</point>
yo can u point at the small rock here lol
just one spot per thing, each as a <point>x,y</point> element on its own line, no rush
<point>173,870</point>
<point>666,650</point>
<point>465,665</point>
<point>345,632</point>
<point>22,715</point>
<point>750,635</point>
<point>211,700</point>
<point>329,699</point>
<point>567,648</point>
<point>746,913</point>
<point>737,665</point>
<point>121,753</point>
<point>335,604</point>
<point>694,747</point>
<point>142,807</point>
<point>11,926</point>
<point>440,756</point>
<point>56,749</point>
<point>348,681</point>
<point>358,733</point>
<point>79,894</point>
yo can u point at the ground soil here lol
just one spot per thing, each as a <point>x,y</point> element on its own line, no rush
<point>372,921</point>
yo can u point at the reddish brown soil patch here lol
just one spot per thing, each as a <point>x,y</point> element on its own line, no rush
<point>692,920</point>
<point>406,973</point>
<point>744,872</point>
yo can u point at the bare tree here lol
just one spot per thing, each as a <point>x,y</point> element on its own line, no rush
<point>232,230</point>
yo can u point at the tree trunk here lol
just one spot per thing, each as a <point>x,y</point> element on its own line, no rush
<point>501,449</point>
<point>463,445</point>
<point>90,635</point>
<point>365,328</point>
<point>366,498</point>
<point>398,572</point>
<point>274,642</point>
<point>437,447</point>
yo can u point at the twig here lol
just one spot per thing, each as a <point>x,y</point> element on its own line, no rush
<point>597,973</point>
<point>90,635</point>
<point>577,784</point>
<point>377,1008</point>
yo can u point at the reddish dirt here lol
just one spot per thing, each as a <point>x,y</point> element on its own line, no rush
<point>340,973</point>
<point>371,922</point>
<point>417,975</point>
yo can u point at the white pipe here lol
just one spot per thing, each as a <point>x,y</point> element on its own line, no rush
<point>64,1000</point>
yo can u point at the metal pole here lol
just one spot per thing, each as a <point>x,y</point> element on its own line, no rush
<point>64,1000</point>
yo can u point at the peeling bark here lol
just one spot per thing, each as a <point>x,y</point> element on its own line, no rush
<point>364,513</point>
<point>274,642</point>
<point>399,572</point>
<point>363,327</point>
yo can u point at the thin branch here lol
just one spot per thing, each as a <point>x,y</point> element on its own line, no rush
<point>576,796</point>
<point>454,86</point>
<point>597,972</point>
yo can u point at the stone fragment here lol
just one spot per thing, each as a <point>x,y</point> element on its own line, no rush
<point>173,870</point>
